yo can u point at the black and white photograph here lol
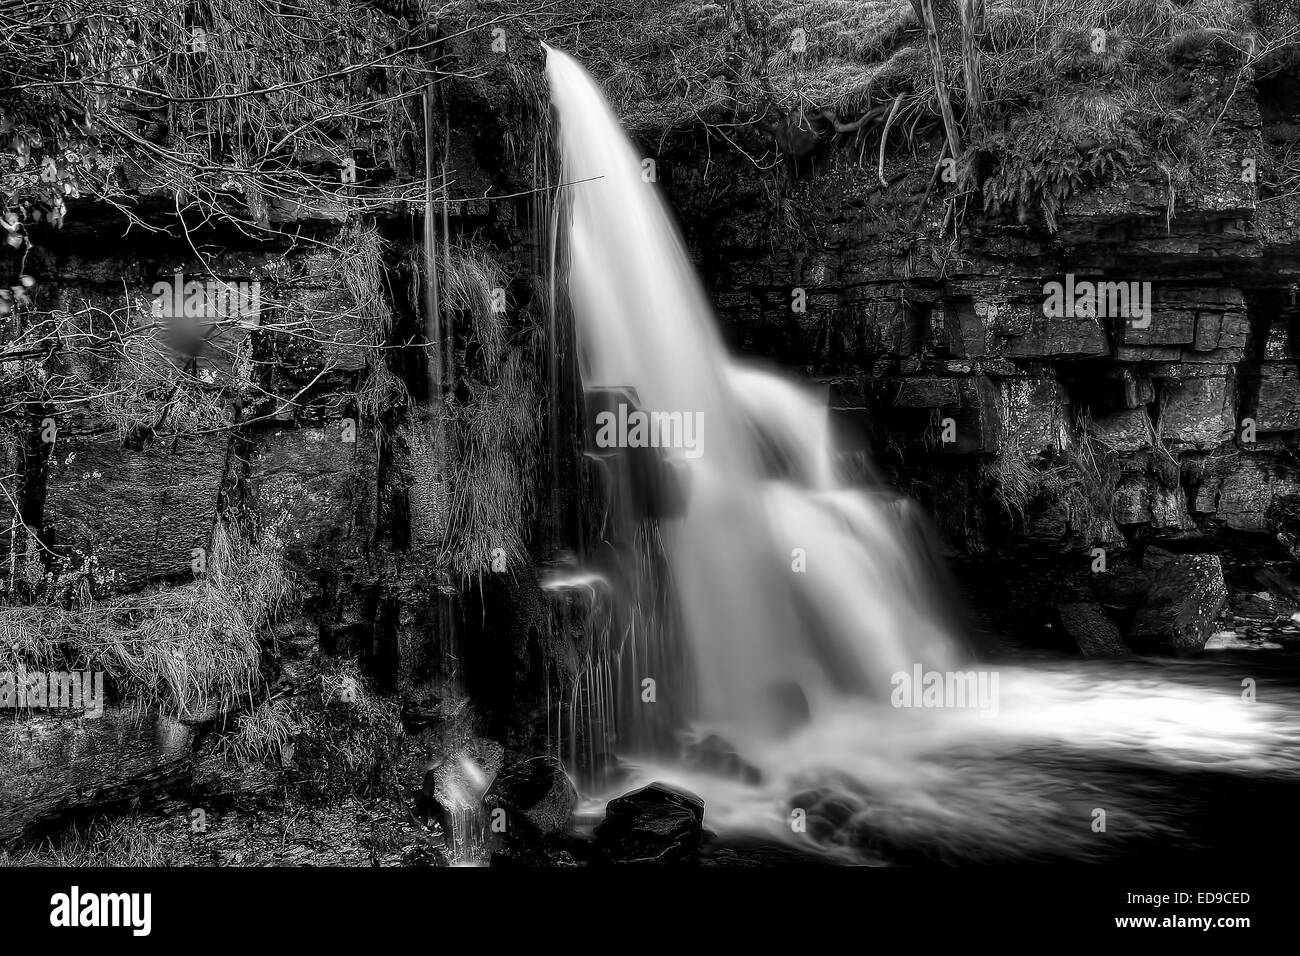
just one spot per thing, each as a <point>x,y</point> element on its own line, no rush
<point>831,445</point>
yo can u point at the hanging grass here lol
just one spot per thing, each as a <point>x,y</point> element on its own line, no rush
<point>184,649</point>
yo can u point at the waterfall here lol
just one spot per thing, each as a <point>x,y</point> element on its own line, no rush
<point>793,587</point>
<point>794,599</point>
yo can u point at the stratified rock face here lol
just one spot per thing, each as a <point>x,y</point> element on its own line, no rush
<point>1125,430</point>
<point>920,324</point>
<point>139,513</point>
<point>1094,632</point>
<point>55,767</point>
<point>1184,601</point>
<point>1278,407</point>
<point>1198,412</point>
<point>656,824</point>
<point>299,481</point>
<point>1242,499</point>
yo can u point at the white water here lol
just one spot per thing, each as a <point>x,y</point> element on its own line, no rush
<point>863,610</point>
<point>753,625</point>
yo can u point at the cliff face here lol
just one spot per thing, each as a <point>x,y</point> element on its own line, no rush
<point>1090,426</point>
<point>915,293</point>
<point>158,430</point>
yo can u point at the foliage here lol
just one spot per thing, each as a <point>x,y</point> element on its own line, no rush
<point>1043,158</point>
<point>185,648</point>
<point>345,739</point>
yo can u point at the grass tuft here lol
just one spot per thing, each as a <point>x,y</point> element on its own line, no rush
<point>185,649</point>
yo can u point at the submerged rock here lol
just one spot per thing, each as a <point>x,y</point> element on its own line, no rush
<point>824,813</point>
<point>1185,599</point>
<point>790,709</point>
<point>1094,632</point>
<point>657,824</point>
<point>715,754</point>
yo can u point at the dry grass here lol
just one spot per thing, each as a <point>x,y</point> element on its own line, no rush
<point>493,426</point>
<point>183,648</point>
<point>127,841</point>
<point>263,736</point>
<point>1080,481</point>
<point>494,434</point>
<point>345,741</point>
<point>361,255</point>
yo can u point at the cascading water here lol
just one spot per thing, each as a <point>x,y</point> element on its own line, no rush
<point>790,586</point>
<point>799,597</point>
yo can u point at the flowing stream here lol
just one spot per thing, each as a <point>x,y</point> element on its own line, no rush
<point>800,596</point>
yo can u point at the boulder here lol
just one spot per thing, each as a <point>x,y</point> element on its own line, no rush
<point>657,824</point>
<point>714,754</point>
<point>1185,599</point>
<point>537,796</point>
<point>789,708</point>
<point>1094,632</point>
<point>54,768</point>
<point>828,812</point>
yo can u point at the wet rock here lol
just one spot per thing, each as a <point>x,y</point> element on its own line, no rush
<point>453,788</point>
<point>297,481</point>
<point>1167,327</point>
<point>715,754</point>
<point>1169,508</point>
<point>1284,516</point>
<point>1094,632</point>
<point>1133,500</point>
<point>1035,410</point>
<point>790,709</point>
<point>1181,608</point>
<point>1043,337</point>
<point>826,813</point>
<point>536,794</point>
<point>529,810</point>
<point>1282,589</point>
<point>657,824</point>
